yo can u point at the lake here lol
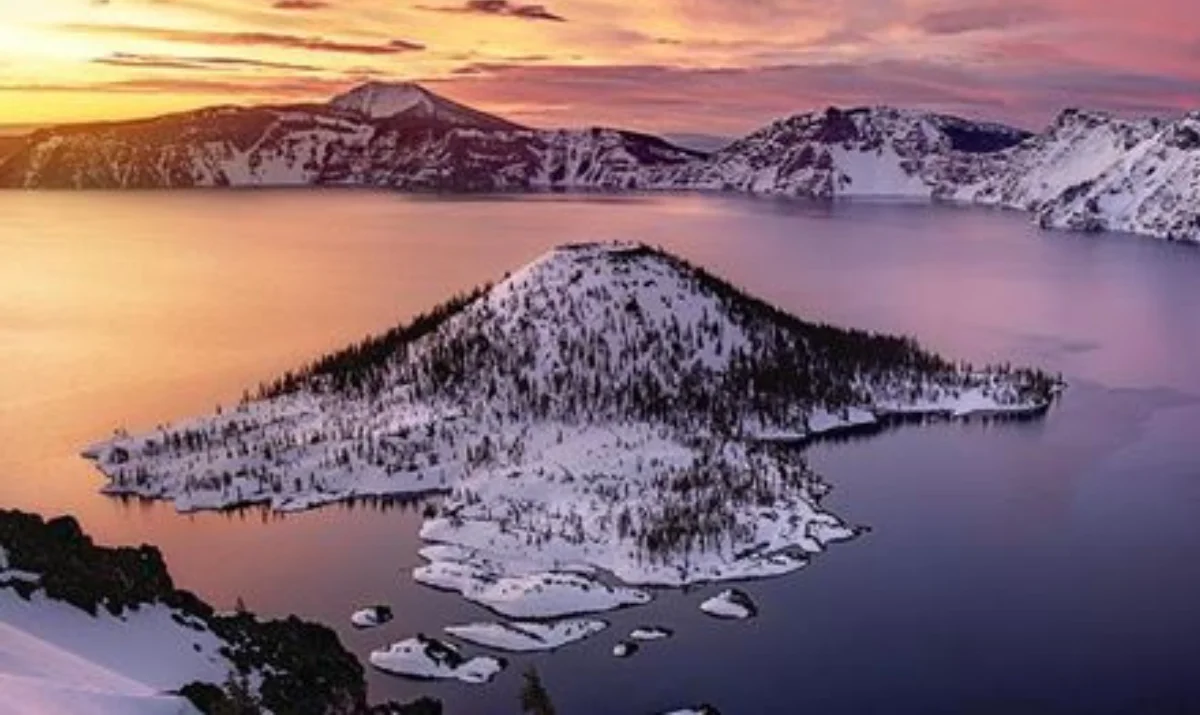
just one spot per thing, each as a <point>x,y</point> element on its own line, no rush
<point>1049,566</point>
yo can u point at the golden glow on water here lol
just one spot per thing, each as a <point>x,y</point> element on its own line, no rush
<point>132,309</point>
<point>129,311</point>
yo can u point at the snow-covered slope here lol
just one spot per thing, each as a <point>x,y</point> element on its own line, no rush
<point>90,629</point>
<point>1095,172</point>
<point>79,634</point>
<point>408,101</point>
<point>1087,171</point>
<point>871,152</point>
<point>606,407</point>
<point>399,136</point>
<point>55,658</point>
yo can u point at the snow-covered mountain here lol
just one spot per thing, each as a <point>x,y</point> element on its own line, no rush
<point>873,152</point>
<point>399,136</point>
<point>1087,171</point>
<point>605,407</point>
<point>406,101</point>
<point>1093,172</point>
<point>99,630</point>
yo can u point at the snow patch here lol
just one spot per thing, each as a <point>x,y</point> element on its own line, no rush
<point>527,636</point>
<point>536,595</point>
<point>431,659</point>
<point>371,617</point>
<point>730,603</point>
<point>650,633</point>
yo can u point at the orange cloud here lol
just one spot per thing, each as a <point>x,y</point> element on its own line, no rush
<point>502,8</point>
<point>247,39</point>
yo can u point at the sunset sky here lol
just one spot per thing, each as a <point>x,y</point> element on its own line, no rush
<point>717,66</point>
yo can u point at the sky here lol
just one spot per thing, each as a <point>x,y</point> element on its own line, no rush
<point>708,66</point>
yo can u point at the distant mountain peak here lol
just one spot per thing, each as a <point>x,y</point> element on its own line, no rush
<point>391,100</point>
<point>379,100</point>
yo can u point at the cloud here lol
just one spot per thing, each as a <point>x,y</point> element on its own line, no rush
<point>300,5</point>
<point>261,89</point>
<point>725,100</point>
<point>172,62</point>
<point>502,8</point>
<point>734,100</point>
<point>993,15</point>
<point>247,39</point>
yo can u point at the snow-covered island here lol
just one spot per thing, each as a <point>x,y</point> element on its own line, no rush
<point>431,659</point>
<point>650,633</point>
<point>371,616</point>
<point>607,409</point>
<point>730,603</point>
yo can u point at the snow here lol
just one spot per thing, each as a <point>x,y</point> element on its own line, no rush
<point>145,644</point>
<point>524,499</point>
<point>431,659</point>
<point>1087,171</point>
<point>39,678</point>
<point>877,174</point>
<point>537,595</point>
<point>380,100</point>
<point>730,603</point>
<point>371,617</point>
<point>540,500</point>
<point>650,633</point>
<point>55,658</point>
<point>35,696</point>
<point>1092,172</point>
<point>527,636</point>
<point>624,649</point>
<point>974,401</point>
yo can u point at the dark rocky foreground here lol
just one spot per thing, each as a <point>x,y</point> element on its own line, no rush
<point>303,666</point>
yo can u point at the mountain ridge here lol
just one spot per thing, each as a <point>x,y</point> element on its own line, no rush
<point>1087,171</point>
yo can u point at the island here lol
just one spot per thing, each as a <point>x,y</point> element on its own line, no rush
<point>606,419</point>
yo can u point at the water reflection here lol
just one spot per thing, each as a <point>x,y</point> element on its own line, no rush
<point>1048,563</point>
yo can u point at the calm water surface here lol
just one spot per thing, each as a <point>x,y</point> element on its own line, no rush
<point>1042,567</point>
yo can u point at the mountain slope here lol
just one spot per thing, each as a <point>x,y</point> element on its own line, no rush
<point>412,103</point>
<point>877,151</point>
<point>1087,171</point>
<point>399,136</point>
<point>9,144</point>
<point>607,406</point>
<point>1093,172</point>
<point>90,629</point>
